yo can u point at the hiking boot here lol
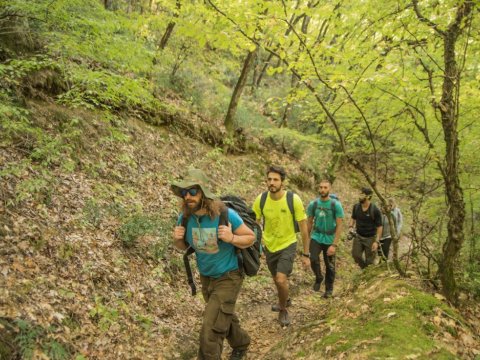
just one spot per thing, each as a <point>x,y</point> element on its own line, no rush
<point>316,286</point>
<point>328,294</point>
<point>276,307</point>
<point>283,318</point>
<point>238,354</point>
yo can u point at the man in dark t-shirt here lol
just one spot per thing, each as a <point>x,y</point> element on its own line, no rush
<point>367,220</point>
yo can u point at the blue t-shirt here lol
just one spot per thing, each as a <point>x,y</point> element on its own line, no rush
<point>214,257</point>
<point>324,223</point>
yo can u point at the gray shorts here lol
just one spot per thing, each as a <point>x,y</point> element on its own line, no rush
<point>281,261</point>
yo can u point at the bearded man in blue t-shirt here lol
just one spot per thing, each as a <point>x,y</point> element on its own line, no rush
<point>217,261</point>
<point>325,219</point>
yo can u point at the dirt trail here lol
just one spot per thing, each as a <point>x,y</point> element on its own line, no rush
<point>254,305</point>
<point>254,310</point>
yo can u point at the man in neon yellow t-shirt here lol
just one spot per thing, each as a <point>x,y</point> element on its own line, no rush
<point>279,209</point>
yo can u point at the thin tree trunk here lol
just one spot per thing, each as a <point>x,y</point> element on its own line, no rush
<point>170,26</point>
<point>472,232</point>
<point>166,35</point>
<point>448,107</point>
<point>237,92</point>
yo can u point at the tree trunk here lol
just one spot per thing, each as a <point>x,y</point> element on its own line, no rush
<point>107,4</point>
<point>237,92</point>
<point>448,107</point>
<point>170,26</point>
<point>166,35</point>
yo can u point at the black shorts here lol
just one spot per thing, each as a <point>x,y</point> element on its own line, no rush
<point>282,260</point>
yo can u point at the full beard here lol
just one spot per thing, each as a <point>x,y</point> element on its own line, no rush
<point>273,189</point>
<point>190,210</point>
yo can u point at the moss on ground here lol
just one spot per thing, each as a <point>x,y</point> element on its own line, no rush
<point>383,317</point>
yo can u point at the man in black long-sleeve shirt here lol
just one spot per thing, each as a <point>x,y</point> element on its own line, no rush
<point>367,219</point>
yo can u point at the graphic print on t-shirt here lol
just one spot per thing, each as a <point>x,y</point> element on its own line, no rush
<point>205,240</point>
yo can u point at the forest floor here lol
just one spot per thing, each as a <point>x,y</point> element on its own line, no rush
<point>262,323</point>
<point>87,270</point>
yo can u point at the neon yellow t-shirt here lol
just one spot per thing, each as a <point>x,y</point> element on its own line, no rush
<point>279,231</point>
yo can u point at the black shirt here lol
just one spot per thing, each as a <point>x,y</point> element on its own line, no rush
<point>366,225</point>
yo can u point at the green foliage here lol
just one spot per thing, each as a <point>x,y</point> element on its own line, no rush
<point>145,322</point>
<point>27,338</point>
<point>31,337</point>
<point>139,225</point>
<point>469,281</point>
<point>133,228</point>
<point>56,351</point>
<point>107,90</point>
<point>105,315</point>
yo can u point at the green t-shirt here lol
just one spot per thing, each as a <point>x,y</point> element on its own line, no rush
<point>279,231</point>
<point>324,222</point>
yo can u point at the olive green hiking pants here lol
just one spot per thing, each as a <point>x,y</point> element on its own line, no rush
<point>362,250</point>
<point>219,319</point>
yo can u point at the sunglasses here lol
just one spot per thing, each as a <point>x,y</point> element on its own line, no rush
<point>191,191</point>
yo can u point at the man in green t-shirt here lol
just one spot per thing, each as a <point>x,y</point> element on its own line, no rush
<point>280,210</point>
<point>325,218</point>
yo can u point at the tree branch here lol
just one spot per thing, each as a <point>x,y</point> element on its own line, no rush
<point>422,18</point>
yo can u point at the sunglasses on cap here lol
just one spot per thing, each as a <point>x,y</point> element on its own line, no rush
<point>191,191</point>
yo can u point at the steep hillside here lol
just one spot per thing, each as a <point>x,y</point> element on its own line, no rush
<point>86,255</point>
<point>88,270</point>
<point>96,121</point>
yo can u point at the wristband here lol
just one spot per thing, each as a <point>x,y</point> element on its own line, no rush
<point>306,255</point>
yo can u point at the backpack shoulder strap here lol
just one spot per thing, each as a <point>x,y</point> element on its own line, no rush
<point>263,200</point>
<point>190,250</point>
<point>291,207</point>
<point>223,218</point>
<point>333,204</point>
<point>372,211</point>
<point>315,205</point>
<point>355,209</point>
<point>290,203</point>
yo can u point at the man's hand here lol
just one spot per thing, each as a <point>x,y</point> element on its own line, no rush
<point>306,262</point>
<point>225,233</point>
<point>331,250</point>
<point>178,233</point>
<point>374,246</point>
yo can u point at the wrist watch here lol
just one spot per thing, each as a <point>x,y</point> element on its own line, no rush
<point>306,255</point>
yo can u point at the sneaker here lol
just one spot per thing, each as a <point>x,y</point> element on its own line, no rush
<point>328,294</point>
<point>283,318</point>
<point>316,286</point>
<point>276,307</point>
<point>238,354</point>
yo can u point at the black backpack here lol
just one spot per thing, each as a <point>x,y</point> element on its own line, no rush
<point>263,200</point>
<point>357,208</point>
<point>248,258</point>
